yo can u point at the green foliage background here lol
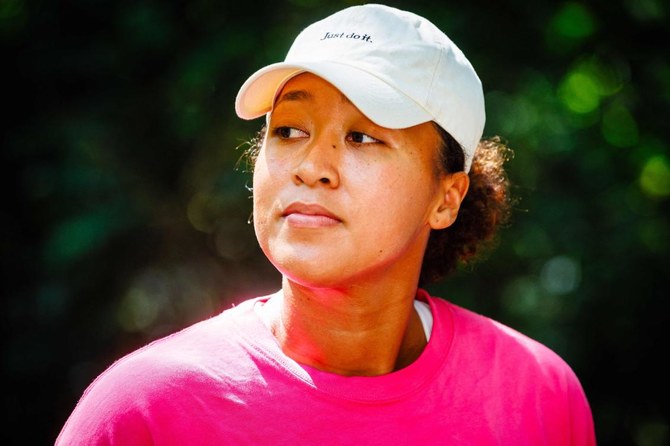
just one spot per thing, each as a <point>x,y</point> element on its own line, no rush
<point>125,217</point>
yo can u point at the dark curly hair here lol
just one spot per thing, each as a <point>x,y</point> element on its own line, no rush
<point>485,208</point>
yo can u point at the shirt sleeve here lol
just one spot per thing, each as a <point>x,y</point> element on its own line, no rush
<point>110,412</point>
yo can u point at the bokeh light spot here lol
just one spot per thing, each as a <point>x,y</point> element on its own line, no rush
<point>146,26</point>
<point>646,10</point>
<point>137,310</point>
<point>560,275</point>
<point>655,176</point>
<point>579,92</point>
<point>79,235</point>
<point>522,296</point>
<point>574,21</point>
<point>533,242</point>
<point>585,85</point>
<point>202,211</point>
<point>655,235</point>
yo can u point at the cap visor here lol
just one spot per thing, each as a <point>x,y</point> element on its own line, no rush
<point>380,102</point>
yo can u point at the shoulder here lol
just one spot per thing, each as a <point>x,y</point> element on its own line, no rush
<point>189,350</point>
<point>190,347</point>
<point>151,381</point>
<point>490,336</point>
<point>507,369</point>
<point>488,345</point>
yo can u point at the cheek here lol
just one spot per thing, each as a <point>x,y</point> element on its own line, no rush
<point>405,199</point>
<point>269,178</point>
<point>269,169</point>
<point>264,174</point>
<point>262,188</point>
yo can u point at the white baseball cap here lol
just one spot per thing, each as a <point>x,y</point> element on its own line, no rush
<point>396,67</point>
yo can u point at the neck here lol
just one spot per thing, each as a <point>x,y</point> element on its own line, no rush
<point>362,331</point>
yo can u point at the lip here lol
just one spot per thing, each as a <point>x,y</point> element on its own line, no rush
<point>309,215</point>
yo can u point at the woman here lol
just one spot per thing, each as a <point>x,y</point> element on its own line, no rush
<point>370,180</point>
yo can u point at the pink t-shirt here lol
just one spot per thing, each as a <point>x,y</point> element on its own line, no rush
<point>225,381</point>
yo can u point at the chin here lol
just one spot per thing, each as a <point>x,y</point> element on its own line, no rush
<point>311,277</point>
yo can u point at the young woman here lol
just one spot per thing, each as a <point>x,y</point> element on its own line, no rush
<point>370,180</point>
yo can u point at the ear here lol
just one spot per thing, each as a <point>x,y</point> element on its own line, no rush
<point>452,190</point>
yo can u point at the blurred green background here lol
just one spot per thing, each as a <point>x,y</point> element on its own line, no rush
<point>126,211</point>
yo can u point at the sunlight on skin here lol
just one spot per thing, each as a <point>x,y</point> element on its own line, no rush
<point>343,208</point>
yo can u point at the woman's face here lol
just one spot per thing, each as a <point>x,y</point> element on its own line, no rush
<point>338,199</point>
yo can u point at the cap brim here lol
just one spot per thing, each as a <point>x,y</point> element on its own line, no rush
<point>380,102</point>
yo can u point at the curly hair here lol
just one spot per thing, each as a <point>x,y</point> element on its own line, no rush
<point>485,208</point>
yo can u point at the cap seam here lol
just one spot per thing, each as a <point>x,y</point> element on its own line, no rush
<point>433,76</point>
<point>395,87</point>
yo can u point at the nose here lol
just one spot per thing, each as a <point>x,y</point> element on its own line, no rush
<point>318,163</point>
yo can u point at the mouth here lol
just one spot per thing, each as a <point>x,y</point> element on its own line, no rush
<point>309,215</point>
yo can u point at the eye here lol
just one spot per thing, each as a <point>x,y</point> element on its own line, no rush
<point>289,132</point>
<point>362,138</point>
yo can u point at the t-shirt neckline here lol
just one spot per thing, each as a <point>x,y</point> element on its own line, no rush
<point>392,386</point>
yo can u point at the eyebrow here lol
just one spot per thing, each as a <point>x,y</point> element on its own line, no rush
<point>297,95</point>
<point>303,95</point>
